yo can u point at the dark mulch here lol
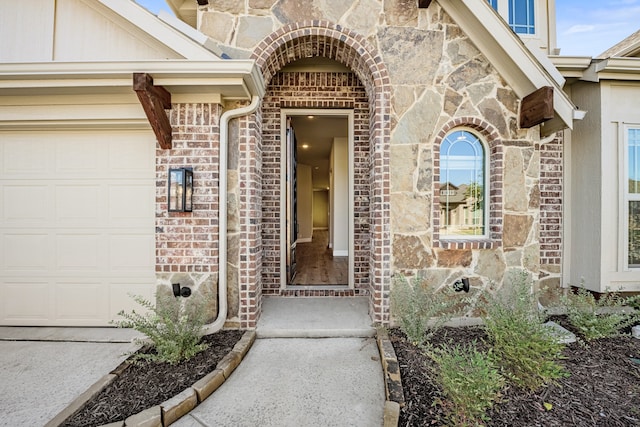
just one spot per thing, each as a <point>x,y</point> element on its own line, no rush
<point>603,388</point>
<point>146,384</point>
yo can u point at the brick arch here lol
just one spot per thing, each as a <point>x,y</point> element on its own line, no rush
<point>491,137</point>
<point>323,38</point>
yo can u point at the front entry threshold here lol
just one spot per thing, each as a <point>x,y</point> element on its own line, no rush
<point>315,318</point>
<point>317,287</point>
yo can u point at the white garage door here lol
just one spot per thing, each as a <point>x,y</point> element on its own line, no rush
<point>76,225</point>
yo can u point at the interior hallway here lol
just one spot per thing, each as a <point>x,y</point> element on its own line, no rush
<point>316,264</point>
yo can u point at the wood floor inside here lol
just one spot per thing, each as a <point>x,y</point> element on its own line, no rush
<point>316,264</point>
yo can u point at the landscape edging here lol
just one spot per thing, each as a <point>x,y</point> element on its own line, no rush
<point>172,409</point>
<point>392,381</point>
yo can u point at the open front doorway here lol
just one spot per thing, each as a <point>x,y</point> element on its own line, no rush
<point>317,210</point>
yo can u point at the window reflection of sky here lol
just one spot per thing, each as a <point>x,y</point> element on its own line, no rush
<point>461,156</point>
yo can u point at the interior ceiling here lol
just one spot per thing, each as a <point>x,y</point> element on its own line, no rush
<point>317,132</point>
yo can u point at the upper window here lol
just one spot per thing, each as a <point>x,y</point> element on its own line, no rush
<point>522,16</point>
<point>519,13</point>
<point>462,186</point>
<point>632,193</point>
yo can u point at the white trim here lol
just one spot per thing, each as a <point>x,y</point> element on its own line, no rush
<point>341,253</point>
<point>239,79</point>
<point>349,115</point>
<point>567,204</point>
<point>626,197</point>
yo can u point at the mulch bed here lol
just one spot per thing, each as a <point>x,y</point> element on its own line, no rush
<point>603,388</point>
<point>146,384</point>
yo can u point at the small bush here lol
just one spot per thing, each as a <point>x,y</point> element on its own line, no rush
<point>174,331</point>
<point>600,318</point>
<point>470,381</point>
<point>634,302</point>
<point>421,312</point>
<point>524,347</point>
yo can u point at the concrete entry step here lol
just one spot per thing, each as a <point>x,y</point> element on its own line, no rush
<point>324,317</point>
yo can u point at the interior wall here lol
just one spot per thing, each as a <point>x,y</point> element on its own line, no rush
<point>340,197</point>
<point>320,209</point>
<point>305,203</point>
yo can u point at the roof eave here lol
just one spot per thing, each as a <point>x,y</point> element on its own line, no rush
<point>184,42</point>
<point>236,79</point>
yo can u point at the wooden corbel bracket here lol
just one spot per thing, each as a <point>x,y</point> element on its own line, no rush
<point>537,107</point>
<point>154,100</point>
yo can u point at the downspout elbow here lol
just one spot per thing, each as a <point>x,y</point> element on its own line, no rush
<point>226,117</point>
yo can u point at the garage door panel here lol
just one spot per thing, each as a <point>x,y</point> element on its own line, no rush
<point>26,252</point>
<point>80,252</point>
<point>130,205</point>
<point>131,253</point>
<point>81,156</point>
<point>24,204</point>
<point>76,225</point>
<point>121,295</point>
<point>26,155</point>
<point>25,302</point>
<point>79,302</point>
<point>81,205</point>
<point>135,159</point>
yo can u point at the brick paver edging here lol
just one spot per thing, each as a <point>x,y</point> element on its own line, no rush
<point>171,410</point>
<point>392,381</point>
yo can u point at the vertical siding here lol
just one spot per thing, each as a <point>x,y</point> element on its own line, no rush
<point>26,30</point>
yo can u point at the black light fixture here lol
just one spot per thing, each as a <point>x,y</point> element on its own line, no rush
<point>461,285</point>
<point>181,190</point>
<point>180,291</point>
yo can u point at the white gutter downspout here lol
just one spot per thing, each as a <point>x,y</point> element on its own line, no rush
<point>222,213</point>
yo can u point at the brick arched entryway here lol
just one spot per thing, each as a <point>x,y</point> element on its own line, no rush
<point>286,45</point>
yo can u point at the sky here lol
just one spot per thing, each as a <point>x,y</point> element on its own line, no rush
<point>584,27</point>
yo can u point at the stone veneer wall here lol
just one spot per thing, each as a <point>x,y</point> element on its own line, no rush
<point>187,242</point>
<point>438,81</point>
<point>314,90</point>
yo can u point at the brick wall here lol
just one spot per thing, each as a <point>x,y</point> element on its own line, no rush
<point>313,90</point>
<point>187,242</point>
<point>551,202</point>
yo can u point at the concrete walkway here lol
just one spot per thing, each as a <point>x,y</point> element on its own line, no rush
<point>292,380</point>
<point>315,363</point>
<point>42,370</point>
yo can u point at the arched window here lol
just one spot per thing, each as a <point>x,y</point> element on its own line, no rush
<point>463,185</point>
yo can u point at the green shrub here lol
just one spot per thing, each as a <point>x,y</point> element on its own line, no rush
<point>421,312</point>
<point>173,330</point>
<point>470,381</point>
<point>601,318</point>
<point>525,348</point>
<point>634,302</point>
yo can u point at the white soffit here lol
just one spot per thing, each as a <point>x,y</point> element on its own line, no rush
<point>185,10</point>
<point>187,45</point>
<point>523,71</point>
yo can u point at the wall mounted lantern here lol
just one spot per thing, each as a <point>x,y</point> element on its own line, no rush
<point>181,190</point>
